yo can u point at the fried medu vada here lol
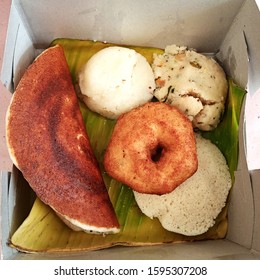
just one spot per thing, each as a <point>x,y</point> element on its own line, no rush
<point>152,149</point>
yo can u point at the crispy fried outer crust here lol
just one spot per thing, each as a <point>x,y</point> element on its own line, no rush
<point>48,142</point>
<point>152,149</point>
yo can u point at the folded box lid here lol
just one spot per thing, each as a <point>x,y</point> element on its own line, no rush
<point>147,22</point>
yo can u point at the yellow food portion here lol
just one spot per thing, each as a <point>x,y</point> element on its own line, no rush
<point>194,83</point>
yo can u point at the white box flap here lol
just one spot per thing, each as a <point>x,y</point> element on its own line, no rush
<point>151,22</point>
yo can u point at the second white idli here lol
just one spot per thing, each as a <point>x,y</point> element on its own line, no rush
<point>191,209</point>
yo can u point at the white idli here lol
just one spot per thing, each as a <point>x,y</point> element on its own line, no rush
<point>116,80</point>
<point>191,209</point>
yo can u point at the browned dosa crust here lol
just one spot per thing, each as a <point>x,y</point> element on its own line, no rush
<point>47,141</point>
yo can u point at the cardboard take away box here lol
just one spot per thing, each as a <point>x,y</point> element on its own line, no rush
<point>228,28</point>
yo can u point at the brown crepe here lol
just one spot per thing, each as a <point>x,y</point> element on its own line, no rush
<point>47,141</point>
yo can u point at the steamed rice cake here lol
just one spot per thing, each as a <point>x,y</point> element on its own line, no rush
<point>191,209</point>
<point>116,80</point>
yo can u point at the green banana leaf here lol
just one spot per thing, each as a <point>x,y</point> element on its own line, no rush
<point>43,231</point>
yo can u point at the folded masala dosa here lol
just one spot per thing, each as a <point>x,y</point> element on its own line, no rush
<point>48,142</point>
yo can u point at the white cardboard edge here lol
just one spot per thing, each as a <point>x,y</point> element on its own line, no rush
<point>11,39</point>
<point>19,51</point>
<point>252,112</point>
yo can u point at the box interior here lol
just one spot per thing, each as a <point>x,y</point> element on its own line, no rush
<point>227,28</point>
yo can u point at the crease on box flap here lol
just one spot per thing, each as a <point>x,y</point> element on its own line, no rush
<point>243,38</point>
<point>234,59</point>
<point>23,56</point>
<point>7,66</point>
<point>258,4</point>
<point>252,39</point>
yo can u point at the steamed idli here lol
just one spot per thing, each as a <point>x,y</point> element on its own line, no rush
<point>191,209</point>
<point>116,80</point>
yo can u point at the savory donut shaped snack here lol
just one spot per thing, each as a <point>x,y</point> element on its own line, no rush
<point>152,149</point>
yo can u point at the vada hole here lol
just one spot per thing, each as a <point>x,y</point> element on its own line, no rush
<point>156,153</point>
